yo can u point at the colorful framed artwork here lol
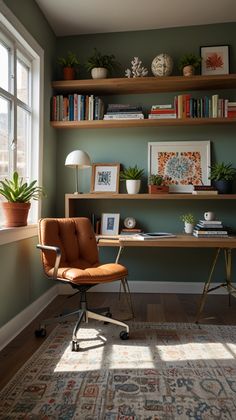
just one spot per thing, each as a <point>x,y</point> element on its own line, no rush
<point>215,60</point>
<point>110,223</point>
<point>181,163</point>
<point>105,178</point>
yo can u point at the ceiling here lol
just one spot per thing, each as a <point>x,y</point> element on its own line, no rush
<point>74,17</point>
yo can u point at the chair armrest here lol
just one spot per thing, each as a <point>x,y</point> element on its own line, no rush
<point>57,250</point>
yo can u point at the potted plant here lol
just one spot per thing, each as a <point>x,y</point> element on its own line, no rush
<point>156,184</point>
<point>132,176</point>
<point>69,63</point>
<point>222,175</point>
<point>101,65</point>
<point>18,195</point>
<point>189,222</point>
<point>188,63</point>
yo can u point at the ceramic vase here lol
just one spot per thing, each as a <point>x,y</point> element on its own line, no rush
<point>133,186</point>
<point>188,228</point>
<point>99,73</point>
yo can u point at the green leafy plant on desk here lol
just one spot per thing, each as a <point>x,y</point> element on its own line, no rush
<point>189,222</point>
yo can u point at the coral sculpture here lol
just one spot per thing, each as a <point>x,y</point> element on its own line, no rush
<point>137,69</point>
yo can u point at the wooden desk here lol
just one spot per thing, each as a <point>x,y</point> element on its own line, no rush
<point>187,241</point>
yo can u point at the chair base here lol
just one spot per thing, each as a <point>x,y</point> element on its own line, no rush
<point>83,314</point>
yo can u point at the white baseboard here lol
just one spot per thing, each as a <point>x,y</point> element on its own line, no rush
<point>148,287</point>
<point>20,321</point>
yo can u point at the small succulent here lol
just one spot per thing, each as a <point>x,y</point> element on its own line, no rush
<point>18,191</point>
<point>189,60</point>
<point>155,179</point>
<point>70,60</point>
<point>222,171</point>
<point>188,218</point>
<point>132,172</point>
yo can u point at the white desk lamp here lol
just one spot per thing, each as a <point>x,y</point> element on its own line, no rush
<point>78,159</point>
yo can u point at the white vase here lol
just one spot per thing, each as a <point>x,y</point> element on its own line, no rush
<point>133,186</point>
<point>99,73</point>
<point>188,228</point>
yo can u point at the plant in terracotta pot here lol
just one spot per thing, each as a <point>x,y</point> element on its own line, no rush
<point>222,175</point>
<point>69,64</point>
<point>18,195</point>
<point>188,63</point>
<point>189,222</point>
<point>132,176</point>
<point>156,184</point>
<point>101,65</point>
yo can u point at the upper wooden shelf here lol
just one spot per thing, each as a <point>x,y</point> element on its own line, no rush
<point>146,84</point>
<point>170,196</point>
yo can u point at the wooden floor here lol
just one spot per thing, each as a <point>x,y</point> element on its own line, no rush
<point>147,308</point>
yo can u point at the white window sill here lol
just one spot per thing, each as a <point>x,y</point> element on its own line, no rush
<point>8,235</point>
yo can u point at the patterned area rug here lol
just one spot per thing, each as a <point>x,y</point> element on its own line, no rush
<point>164,371</point>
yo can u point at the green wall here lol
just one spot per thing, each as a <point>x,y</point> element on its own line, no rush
<point>21,277</point>
<point>22,280</point>
<point>130,146</point>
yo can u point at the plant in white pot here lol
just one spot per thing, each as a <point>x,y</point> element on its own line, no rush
<point>189,222</point>
<point>18,195</point>
<point>132,176</point>
<point>101,65</point>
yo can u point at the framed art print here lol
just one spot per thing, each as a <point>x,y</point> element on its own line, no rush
<point>181,163</point>
<point>110,223</point>
<point>105,177</point>
<point>215,60</point>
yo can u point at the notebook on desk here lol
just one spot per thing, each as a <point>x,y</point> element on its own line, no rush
<point>148,236</point>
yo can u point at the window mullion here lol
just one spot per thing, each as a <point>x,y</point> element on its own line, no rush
<point>13,151</point>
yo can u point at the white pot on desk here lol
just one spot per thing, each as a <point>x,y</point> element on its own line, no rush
<point>188,228</point>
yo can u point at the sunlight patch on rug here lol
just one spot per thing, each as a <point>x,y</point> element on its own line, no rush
<point>164,371</point>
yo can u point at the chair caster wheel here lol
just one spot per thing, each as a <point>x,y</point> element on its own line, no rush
<point>124,335</point>
<point>41,332</point>
<point>108,315</point>
<point>74,346</point>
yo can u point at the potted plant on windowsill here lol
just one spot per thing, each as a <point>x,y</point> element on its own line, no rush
<point>18,195</point>
<point>69,64</point>
<point>156,184</point>
<point>189,222</point>
<point>132,176</point>
<point>222,175</point>
<point>101,65</point>
<point>188,63</point>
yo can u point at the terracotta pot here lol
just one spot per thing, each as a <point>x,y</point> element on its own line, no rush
<point>158,189</point>
<point>188,71</point>
<point>68,73</point>
<point>16,214</point>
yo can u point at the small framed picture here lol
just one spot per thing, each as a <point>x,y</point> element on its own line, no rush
<point>110,223</point>
<point>105,177</point>
<point>215,60</point>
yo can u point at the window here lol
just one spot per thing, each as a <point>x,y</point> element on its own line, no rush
<point>21,87</point>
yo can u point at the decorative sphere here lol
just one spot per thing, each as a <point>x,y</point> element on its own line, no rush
<point>162,65</point>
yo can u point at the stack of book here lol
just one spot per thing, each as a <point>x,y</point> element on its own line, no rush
<point>123,112</point>
<point>204,190</point>
<point>162,111</point>
<point>130,231</point>
<point>210,229</point>
<point>231,109</point>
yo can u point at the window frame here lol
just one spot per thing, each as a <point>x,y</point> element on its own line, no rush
<point>11,27</point>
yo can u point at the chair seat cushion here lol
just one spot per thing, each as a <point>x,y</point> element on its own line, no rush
<point>92,275</point>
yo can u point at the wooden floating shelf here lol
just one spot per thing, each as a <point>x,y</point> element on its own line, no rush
<point>170,196</point>
<point>141,123</point>
<point>146,84</point>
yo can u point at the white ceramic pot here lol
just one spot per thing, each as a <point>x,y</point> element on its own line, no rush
<point>188,228</point>
<point>99,73</point>
<point>133,186</point>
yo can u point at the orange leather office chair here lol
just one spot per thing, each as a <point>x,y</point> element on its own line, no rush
<point>70,255</point>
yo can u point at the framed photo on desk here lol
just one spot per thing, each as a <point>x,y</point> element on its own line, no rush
<point>181,163</point>
<point>110,223</point>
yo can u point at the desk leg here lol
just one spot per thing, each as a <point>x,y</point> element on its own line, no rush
<point>121,249</point>
<point>228,269</point>
<point>207,286</point>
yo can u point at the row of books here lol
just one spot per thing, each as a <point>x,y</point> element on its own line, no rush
<point>185,106</point>
<point>204,190</point>
<point>210,229</point>
<point>76,107</point>
<point>123,112</point>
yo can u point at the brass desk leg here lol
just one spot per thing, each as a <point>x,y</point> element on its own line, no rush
<point>228,269</point>
<point>207,286</point>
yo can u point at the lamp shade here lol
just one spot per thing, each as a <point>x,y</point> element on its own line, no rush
<point>78,158</point>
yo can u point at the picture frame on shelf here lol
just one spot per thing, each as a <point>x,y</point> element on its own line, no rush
<point>110,223</point>
<point>183,164</point>
<point>215,59</point>
<point>105,178</point>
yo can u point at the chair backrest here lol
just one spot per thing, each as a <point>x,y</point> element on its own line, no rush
<point>76,239</point>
